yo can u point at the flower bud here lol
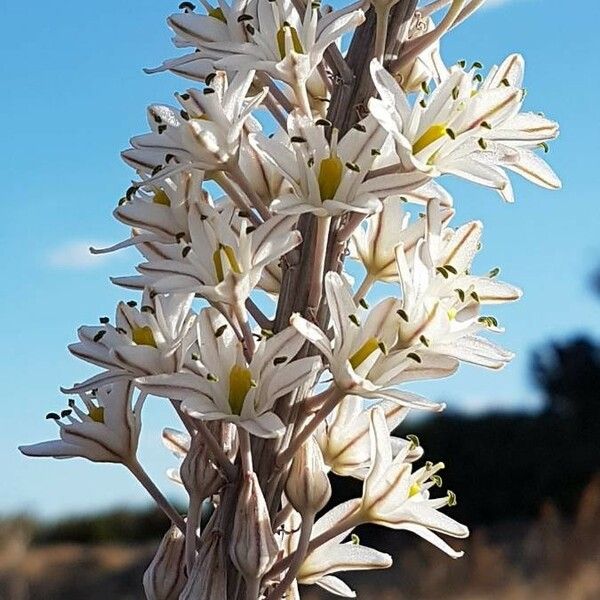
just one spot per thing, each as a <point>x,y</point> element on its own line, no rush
<point>165,578</point>
<point>253,547</point>
<point>308,488</point>
<point>208,579</point>
<point>198,473</point>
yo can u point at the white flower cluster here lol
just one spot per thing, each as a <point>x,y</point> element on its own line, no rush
<point>288,157</point>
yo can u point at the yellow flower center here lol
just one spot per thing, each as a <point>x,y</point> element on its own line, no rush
<point>452,314</point>
<point>160,197</point>
<point>217,13</point>
<point>218,261</point>
<point>330,176</point>
<point>240,382</point>
<point>97,414</point>
<point>415,489</point>
<point>143,336</point>
<point>297,45</point>
<point>434,133</point>
<point>364,352</point>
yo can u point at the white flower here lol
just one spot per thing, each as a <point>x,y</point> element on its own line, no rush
<point>441,302</point>
<point>375,245</point>
<point>333,556</point>
<point>204,135</point>
<point>394,496</point>
<point>219,263</point>
<point>150,340</point>
<point>221,385</point>
<point>329,179</point>
<point>106,430</point>
<point>414,75</point>
<point>158,214</point>
<point>344,436</point>
<point>264,36</point>
<point>355,354</point>
<point>466,129</point>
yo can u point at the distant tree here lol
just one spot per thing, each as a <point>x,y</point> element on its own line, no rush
<point>568,374</point>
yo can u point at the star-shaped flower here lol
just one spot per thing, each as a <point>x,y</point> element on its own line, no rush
<point>220,384</point>
<point>466,128</point>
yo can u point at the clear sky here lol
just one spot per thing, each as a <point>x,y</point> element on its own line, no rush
<point>73,93</point>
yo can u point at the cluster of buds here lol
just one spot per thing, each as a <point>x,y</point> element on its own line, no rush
<point>286,158</point>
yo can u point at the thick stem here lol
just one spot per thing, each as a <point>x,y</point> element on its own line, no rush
<point>315,290</point>
<point>138,472</point>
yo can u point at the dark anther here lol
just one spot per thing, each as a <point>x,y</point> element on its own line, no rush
<point>100,335</point>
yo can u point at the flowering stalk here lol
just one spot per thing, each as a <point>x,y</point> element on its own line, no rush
<point>280,368</point>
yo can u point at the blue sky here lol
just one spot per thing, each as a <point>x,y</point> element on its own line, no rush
<point>73,93</point>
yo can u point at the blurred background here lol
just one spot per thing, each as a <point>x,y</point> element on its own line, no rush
<point>521,447</point>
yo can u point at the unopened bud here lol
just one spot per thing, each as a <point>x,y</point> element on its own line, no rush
<point>165,578</point>
<point>198,473</point>
<point>253,548</point>
<point>308,488</point>
<point>208,579</point>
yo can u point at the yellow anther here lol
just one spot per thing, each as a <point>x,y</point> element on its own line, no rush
<point>364,352</point>
<point>434,133</point>
<point>143,336</point>
<point>97,414</point>
<point>452,314</point>
<point>296,44</point>
<point>240,382</point>
<point>160,197</point>
<point>330,176</point>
